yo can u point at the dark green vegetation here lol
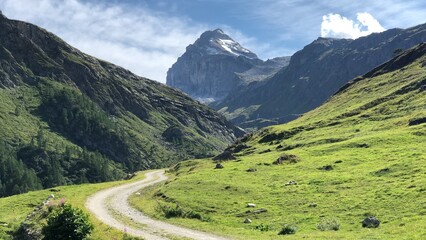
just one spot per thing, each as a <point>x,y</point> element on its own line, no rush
<point>314,74</point>
<point>360,155</point>
<point>66,117</point>
<point>15,177</point>
<point>27,211</point>
<point>66,222</point>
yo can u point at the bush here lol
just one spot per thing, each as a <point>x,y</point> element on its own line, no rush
<point>65,222</point>
<point>263,227</point>
<point>178,212</point>
<point>329,224</point>
<point>194,214</point>
<point>170,212</point>
<point>288,229</point>
<point>129,237</point>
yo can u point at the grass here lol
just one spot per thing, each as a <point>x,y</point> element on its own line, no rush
<point>378,168</point>
<point>14,209</point>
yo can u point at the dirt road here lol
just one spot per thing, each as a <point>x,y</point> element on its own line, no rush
<point>107,204</point>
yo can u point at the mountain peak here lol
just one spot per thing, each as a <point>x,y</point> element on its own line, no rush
<point>218,30</point>
<point>214,42</point>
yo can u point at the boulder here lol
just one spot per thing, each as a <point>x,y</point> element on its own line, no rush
<point>286,158</point>
<point>326,168</point>
<point>370,222</point>
<point>219,166</point>
<point>291,182</point>
<point>251,205</point>
<point>225,155</point>
<point>247,220</point>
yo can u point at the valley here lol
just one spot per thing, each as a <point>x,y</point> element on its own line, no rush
<point>328,143</point>
<point>356,156</point>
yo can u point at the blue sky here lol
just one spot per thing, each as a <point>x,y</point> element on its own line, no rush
<point>147,36</point>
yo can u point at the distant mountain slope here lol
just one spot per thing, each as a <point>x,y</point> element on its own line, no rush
<point>215,65</point>
<point>62,109</point>
<point>313,75</point>
<point>360,154</point>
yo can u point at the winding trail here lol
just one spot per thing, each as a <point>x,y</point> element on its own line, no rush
<point>106,204</point>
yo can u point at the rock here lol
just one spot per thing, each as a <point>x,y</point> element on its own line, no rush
<point>265,151</point>
<point>417,121</point>
<point>362,145</point>
<point>370,222</point>
<point>225,155</point>
<point>313,204</point>
<point>292,182</point>
<point>247,220</point>
<point>218,166</point>
<point>240,147</point>
<point>252,212</point>
<point>326,168</point>
<point>251,205</point>
<point>286,158</point>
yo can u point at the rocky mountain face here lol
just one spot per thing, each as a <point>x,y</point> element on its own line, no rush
<point>59,103</point>
<point>215,65</point>
<point>313,75</point>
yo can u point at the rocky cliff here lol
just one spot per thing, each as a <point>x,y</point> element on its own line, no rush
<point>215,65</point>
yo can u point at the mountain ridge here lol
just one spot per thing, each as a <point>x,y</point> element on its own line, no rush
<point>314,74</point>
<point>91,119</point>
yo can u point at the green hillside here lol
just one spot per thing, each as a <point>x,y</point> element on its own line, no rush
<point>67,117</point>
<point>362,153</point>
<point>14,209</point>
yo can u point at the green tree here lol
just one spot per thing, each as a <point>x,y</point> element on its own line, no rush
<point>41,140</point>
<point>66,222</point>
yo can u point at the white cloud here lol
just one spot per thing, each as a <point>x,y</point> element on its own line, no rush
<point>144,41</point>
<point>296,22</point>
<point>337,26</point>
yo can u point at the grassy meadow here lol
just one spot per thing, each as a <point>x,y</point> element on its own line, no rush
<point>362,153</point>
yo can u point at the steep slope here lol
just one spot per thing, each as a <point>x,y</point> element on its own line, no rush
<point>314,74</point>
<point>360,154</point>
<point>215,65</point>
<point>65,110</point>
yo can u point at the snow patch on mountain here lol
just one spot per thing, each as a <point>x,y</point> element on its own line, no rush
<point>216,42</point>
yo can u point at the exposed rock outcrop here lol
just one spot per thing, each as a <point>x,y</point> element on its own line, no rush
<point>215,65</point>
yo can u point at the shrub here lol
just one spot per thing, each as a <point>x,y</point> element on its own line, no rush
<point>170,212</point>
<point>194,214</point>
<point>178,212</point>
<point>65,222</point>
<point>288,229</point>
<point>329,224</point>
<point>263,227</point>
<point>129,237</point>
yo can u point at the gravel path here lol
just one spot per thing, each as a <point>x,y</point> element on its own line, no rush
<point>105,203</point>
